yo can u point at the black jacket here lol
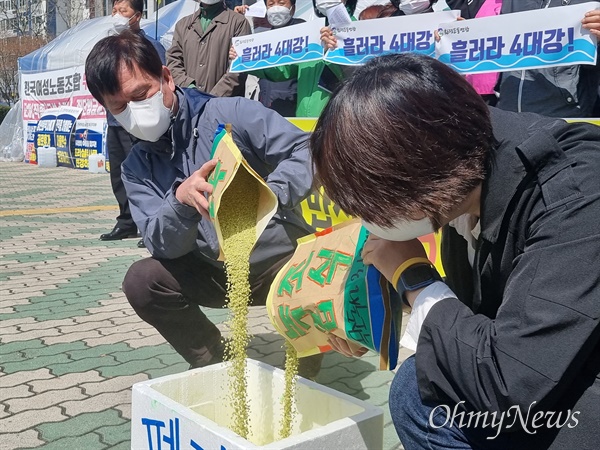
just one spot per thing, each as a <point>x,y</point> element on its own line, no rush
<point>527,328</point>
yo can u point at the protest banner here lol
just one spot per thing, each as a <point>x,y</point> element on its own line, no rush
<point>54,130</point>
<point>62,88</point>
<point>360,41</point>
<point>289,45</point>
<point>536,39</point>
<point>326,288</point>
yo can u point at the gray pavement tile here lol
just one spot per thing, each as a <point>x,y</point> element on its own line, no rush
<point>70,337</point>
<point>113,384</point>
<point>24,439</point>
<point>147,341</point>
<point>124,410</point>
<point>65,381</point>
<point>96,403</point>
<point>45,400</point>
<point>20,391</point>
<point>14,379</point>
<point>45,324</point>
<point>29,419</point>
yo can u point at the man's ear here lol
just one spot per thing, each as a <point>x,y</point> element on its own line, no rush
<point>168,78</point>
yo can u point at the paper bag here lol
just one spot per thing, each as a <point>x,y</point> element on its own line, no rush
<point>326,288</point>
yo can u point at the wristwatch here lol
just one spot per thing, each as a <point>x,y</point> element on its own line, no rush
<point>416,277</point>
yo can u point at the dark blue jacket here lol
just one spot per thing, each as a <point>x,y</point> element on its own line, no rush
<point>274,148</point>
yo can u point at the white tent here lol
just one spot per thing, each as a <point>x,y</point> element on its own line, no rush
<point>72,47</point>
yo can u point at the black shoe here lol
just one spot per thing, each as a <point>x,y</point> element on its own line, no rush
<point>118,233</point>
<point>141,244</point>
<point>217,355</point>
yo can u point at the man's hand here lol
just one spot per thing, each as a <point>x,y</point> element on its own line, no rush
<point>191,191</point>
<point>328,39</point>
<point>241,9</point>
<point>591,21</point>
<point>436,34</point>
<point>343,346</point>
<point>232,52</point>
<point>387,256</point>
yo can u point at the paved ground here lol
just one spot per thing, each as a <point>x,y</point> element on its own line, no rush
<point>70,345</point>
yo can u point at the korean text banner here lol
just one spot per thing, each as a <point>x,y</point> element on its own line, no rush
<point>62,88</point>
<point>360,41</point>
<point>325,288</point>
<point>547,37</point>
<point>54,129</point>
<point>289,45</point>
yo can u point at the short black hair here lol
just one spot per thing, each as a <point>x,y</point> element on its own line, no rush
<point>104,62</point>
<point>404,136</point>
<point>136,5</point>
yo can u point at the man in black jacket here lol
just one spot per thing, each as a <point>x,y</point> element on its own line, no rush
<point>508,352</point>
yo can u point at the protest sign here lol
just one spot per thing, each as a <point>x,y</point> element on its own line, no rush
<point>360,41</point>
<point>41,93</point>
<point>326,288</point>
<point>288,45</point>
<point>527,40</point>
<point>54,130</point>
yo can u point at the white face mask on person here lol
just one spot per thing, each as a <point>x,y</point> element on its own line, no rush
<point>279,15</point>
<point>324,5</point>
<point>120,23</point>
<point>148,119</point>
<point>210,2</point>
<point>414,6</point>
<point>402,231</point>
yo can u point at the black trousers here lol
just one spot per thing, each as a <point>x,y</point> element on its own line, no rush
<point>167,294</point>
<point>118,144</point>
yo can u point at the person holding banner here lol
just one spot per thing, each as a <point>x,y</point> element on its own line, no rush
<point>166,180</point>
<point>316,79</point>
<point>199,54</point>
<point>280,96</point>
<point>126,15</point>
<point>567,91</point>
<point>508,348</point>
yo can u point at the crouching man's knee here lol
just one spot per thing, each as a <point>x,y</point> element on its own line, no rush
<point>143,284</point>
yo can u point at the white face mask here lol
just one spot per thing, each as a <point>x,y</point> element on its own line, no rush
<point>120,23</point>
<point>402,231</point>
<point>414,6</point>
<point>210,2</point>
<point>279,15</point>
<point>148,119</point>
<point>324,5</point>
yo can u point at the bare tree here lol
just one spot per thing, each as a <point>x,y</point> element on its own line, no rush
<point>23,18</point>
<point>45,17</point>
<point>10,50</point>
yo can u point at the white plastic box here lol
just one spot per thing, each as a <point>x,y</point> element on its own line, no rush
<point>46,157</point>
<point>97,163</point>
<point>190,410</point>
